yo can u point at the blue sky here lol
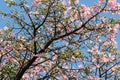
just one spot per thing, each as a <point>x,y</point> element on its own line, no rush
<point>3,7</point>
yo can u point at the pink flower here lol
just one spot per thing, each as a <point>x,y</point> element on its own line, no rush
<point>34,13</point>
<point>111,57</point>
<point>116,28</point>
<point>1,40</point>
<point>69,1</point>
<point>104,59</point>
<point>64,77</point>
<point>86,12</point>
<point>94,50</point>
<point>98,65</point>
<point>9,57</point>
<point>26,76</point>
<point>13,34</point>
<point>37,70</point>
<point>64,2</point>
<point>36,2</point>
<point>103,19</point>
<point>35,38</point>
<point>115,68</point>
<point>84,8</point>
<point>1,30</point>
<point>93,78</point>
<point>6,49</point>
<point>112,3</point>
<point>100,1</point>
<point>96,8</point>
<point>68,11</point>
<point>77,1</point>
<point>111,37</point>
<point>106,43</point>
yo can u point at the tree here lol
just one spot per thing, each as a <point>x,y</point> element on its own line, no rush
<point>59,39</point>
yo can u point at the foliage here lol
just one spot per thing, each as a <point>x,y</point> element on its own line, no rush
<point>59,40</point>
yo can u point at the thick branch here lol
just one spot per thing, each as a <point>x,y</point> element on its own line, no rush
<point>24,68</point>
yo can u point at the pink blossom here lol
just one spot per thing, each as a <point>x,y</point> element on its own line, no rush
<point>115,68</point>
<point>98,65</point>
<point>114,44</point>
<point>9,57</point>
<point>14,60</point>
<point>82,30</point>
<point>35,38</point>
<point>64,77</point>
<point>1,40</point>
<point>13,34</point>
<point>37,70</point>
<point>111,57</point>
<point>93,78</point>
<point>100,1</point>
<point>103,19</point>
<point>68,11</point>
<point>106,43</point>
<point>86,12</point>
<point>111,37</point>
<point>84,8</point>
<point>94,59</point>
<point>26,76</point>
<point>6,49</point>
<point>64,2</point>
<point>34,13</point>
<point>104,59</point>
<point>36,2</point>
<point>77,1</point>
<point>94,50</point>
<point>112,3</point>
<point>96,8</point>
<point>116,28</point>
<point>117,8</point>
<point>69,1</point>
<point>1,30</point>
